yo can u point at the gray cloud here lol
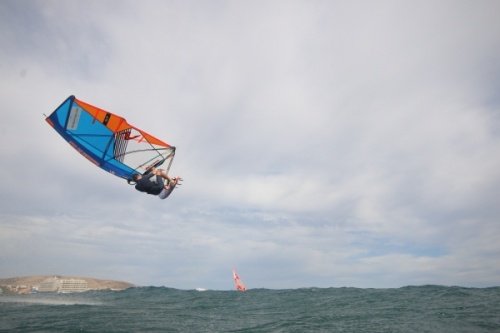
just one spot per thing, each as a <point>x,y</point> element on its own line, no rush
<point>321,143</point>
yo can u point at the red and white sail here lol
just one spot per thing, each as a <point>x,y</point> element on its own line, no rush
<point>237,281</point>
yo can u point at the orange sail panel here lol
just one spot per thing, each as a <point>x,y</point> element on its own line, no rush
<point>239,284</point>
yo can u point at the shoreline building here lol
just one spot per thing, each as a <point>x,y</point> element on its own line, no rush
<point>62,285</point>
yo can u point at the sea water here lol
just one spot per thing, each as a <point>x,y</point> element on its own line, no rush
<point>159,309</point>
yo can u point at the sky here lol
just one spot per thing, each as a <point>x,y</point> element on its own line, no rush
<point>321,143</point>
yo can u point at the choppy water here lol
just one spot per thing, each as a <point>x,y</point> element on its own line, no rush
<point>157,309</point>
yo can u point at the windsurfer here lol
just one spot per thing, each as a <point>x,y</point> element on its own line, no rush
<point>158,187</point>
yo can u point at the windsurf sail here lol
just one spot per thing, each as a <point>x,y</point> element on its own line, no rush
<point>108,141</point>
<point>237,281</point>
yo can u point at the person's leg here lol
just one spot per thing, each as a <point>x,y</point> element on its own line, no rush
<point>164,175</point>
<point>159,180</point>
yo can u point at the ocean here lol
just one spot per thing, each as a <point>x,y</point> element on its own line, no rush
<point>159,309</point>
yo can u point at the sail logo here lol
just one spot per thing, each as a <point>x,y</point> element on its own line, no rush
<point>148,167</point>
<point>74,118</point>
<point>81,151</point>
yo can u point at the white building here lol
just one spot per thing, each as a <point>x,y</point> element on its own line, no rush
<point>73,285</point>
<point>62,285</point>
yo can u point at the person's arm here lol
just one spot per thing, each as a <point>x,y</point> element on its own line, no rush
<point>148,176</point>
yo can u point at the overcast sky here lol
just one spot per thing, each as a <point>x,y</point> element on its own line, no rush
<point>322,143</point>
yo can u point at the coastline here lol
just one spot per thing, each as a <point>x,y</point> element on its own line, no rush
<point>25,284</point>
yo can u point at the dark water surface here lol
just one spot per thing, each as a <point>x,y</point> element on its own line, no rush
<point>158,309</point>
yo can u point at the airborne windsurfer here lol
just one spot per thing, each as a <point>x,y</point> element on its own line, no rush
<point>144,183</point>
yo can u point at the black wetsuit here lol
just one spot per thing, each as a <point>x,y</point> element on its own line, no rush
<point>146,185</point>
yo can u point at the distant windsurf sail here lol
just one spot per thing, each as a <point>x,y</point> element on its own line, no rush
<point>239,284</point>
<point>108,141</point>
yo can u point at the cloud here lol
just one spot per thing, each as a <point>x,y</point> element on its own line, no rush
<point>326,144</point>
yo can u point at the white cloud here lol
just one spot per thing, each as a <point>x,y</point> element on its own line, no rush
<point>331,143</point>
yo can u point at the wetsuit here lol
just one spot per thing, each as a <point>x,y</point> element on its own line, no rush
<point>146,185</point>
